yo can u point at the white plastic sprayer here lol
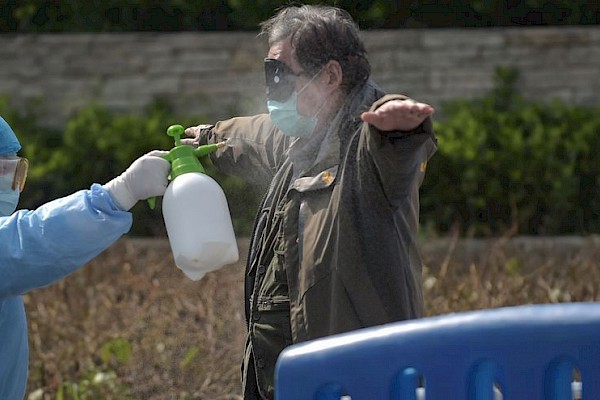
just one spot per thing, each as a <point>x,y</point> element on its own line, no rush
<point>196,213</point>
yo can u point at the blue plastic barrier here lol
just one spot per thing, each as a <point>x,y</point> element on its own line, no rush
<point>527,352</point>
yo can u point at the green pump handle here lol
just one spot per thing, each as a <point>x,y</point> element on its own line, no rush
<point>185,158</point>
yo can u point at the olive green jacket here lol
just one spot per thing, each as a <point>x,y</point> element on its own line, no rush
<point>349,222</point>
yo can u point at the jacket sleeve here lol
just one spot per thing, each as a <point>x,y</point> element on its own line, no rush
<point>42,246</point>
<point>398,158</point>
<point>255,147</point>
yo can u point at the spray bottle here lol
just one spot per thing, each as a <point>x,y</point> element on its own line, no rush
<point>196,213</point>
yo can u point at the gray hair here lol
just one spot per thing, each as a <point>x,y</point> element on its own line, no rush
<point>320,34</point>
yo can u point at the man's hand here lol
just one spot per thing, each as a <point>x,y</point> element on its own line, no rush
<point>398,115</point>
<point>193,135</point>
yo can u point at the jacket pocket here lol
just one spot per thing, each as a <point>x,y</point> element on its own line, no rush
<point>316,218</point>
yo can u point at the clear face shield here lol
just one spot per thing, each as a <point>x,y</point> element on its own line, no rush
<point>13,173</point>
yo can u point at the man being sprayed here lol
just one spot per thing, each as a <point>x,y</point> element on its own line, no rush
<point>40,247</point>
<point>334,243</point>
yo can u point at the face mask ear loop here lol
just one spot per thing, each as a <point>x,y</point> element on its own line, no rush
<point>311,80</point>
<point>308,83</point>
<point>324,100</point>
<point>321,107</point>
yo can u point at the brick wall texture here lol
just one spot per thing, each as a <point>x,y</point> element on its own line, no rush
<point>217,75</point>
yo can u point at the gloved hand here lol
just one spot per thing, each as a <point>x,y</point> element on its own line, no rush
<point>146,177</point>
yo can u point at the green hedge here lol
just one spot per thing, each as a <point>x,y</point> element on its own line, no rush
<point>506,163</point>
<point>503,164</point>
<point>185,15</point>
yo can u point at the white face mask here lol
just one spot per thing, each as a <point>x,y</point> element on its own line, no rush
<point>9,198</point>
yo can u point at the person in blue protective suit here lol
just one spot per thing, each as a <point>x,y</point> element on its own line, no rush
<point>41,246</point>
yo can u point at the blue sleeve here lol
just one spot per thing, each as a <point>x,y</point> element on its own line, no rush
<point>42,246</point>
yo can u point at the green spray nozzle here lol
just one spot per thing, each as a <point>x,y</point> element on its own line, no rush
<point>185,158</point>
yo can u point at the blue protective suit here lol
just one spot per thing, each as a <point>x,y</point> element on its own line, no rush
<point>38,248</point>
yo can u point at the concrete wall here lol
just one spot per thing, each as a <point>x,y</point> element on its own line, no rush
<point>217,74</point>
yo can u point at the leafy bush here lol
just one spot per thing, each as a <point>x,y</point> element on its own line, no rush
<point>150,15</point>
<point>504,162</point>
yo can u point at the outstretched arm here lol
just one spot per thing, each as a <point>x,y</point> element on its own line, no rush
<point>398,115</point>
<point>41,246</point>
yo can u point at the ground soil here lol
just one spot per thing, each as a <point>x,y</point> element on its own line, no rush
<point>130,325</point>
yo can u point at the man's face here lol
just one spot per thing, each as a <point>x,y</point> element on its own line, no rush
<point>310,95</point>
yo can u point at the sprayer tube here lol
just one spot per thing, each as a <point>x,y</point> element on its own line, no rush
<point>208,148</point>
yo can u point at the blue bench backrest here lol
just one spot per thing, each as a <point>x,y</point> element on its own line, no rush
<point>526,352</point>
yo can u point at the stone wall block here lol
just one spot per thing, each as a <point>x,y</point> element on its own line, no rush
<point>217,73</point>
<point>462,38</point>
<point>547,37</point>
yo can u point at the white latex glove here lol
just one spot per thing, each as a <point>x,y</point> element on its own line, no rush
<point>146,177</point>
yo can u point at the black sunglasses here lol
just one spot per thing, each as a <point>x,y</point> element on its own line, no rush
<point>280,80</point>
